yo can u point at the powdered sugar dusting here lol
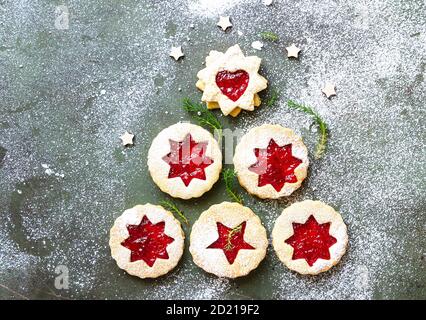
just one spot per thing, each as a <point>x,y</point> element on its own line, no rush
<point>208,8</point>
<point>67,94</point>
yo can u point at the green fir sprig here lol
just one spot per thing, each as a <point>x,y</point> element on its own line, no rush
<point>169,205</point>
<point>269,36</point>
<point>273,98</point>
<point>203,116</point>
<point>232,232</point>
<point>229,179</point>
<point>322,142</point>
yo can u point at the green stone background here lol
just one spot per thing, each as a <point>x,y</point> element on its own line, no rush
<point>53,111</point>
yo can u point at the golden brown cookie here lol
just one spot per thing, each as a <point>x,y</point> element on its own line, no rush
<point>310,237</point>
<point>146,241</point>
<point>228,240</point>
<point>184,160</point>
<point>271,161</point>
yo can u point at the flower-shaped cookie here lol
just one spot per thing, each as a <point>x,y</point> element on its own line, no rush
<point>231,81</point>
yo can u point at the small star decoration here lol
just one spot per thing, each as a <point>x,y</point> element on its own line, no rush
<point>224,23</point>
<point>231,241</point>
<point>329,90</point>
<point>147,241</point>
<point>311,241</point>
<point>257,45</point>
<point>293,51</point>
<point>127,139</point>
<point>176,52</point>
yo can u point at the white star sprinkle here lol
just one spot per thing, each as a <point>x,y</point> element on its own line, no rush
<point>176,53</point>
<point>257,45</point>
<point>329,90</point>
<point>224,23</point>
<point>293,51</point>
<point>267,2</point>
<point>127,138</point>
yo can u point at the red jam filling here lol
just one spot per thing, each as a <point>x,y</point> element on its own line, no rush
<point>231,240</point>
<point>311,241</point>
<point>147,241</point>
<point>232,84</point>
<point>187,159</point>
<point>275,165</point>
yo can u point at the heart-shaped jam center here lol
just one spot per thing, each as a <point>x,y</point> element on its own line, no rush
<point>232,84</point>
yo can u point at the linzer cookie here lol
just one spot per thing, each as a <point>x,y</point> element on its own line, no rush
<point>231,81</point>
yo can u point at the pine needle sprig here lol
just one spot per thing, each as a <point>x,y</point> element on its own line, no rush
<point>203,116</point>
<point>232,232</point>
<point>322,142</point>
<point>169,205</point>
<point>275,95</point>
<point>269,36</point>
<point>229,179</point>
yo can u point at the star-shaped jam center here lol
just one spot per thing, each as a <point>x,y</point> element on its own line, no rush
<point>147,241</point>
<point>275,165</point>
<point>231,241</point>
<point>311,241</point>
<point>187,159</point>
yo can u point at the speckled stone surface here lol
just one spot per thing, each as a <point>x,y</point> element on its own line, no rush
<point>74,75</point>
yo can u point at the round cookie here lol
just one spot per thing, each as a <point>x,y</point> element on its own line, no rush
<point>271,161</point>
<point>310,237</point>
<point>146,241</point>
<point>184,160</point>
<point>228,240</point>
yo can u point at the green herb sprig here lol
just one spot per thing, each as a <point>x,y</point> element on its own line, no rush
<point>322,142</point>
<point>274,96</point>
<point>232,232</point>
<point>269,36</point>
<point>169,205</point>
<point>229,179</point>
<point>203,116</point>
